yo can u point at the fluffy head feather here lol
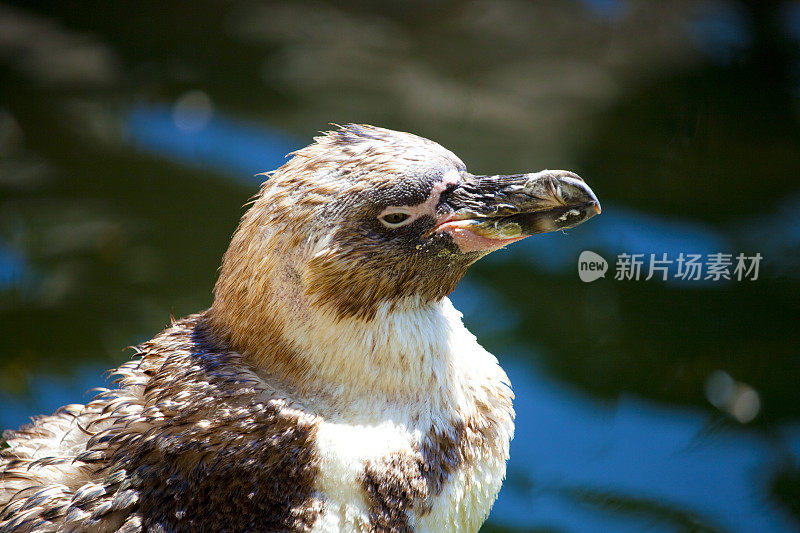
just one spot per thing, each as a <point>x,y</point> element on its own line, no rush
<point>312,242</point>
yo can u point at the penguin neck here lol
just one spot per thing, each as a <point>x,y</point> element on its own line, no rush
<point>402,361</point>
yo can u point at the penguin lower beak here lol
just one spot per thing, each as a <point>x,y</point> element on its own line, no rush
<point>489,212</point>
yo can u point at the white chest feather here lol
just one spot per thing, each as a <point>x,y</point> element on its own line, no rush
<point>427,452</point>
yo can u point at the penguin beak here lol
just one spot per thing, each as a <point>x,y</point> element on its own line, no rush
<point>489,212</point>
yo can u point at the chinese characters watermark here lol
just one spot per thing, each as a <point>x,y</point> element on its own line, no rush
<point>684,267</point>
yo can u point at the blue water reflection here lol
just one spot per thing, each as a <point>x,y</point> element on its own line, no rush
<point>782,246</point>
<point>607,9</point>
<point>721,30</point>
<point>221,144</point>
<point>791,19</point>
<point>568,445</point>
<point>12,266</point>
<point>46,393</point>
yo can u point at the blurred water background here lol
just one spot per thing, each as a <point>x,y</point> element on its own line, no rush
<point>131,135</point>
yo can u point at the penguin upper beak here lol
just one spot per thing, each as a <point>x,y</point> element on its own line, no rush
<point>498,210</point>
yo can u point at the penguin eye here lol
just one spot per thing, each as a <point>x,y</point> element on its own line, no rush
<point>394,220</point>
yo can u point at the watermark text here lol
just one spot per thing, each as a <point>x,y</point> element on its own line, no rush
<point>716,266</point>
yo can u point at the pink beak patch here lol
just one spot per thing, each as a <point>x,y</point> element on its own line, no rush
<point>469,241</point>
